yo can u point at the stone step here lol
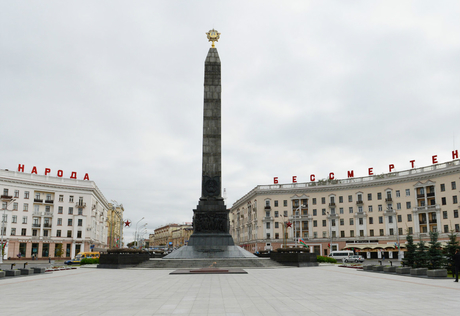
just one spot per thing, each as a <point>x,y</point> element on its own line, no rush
<point>155,263</point>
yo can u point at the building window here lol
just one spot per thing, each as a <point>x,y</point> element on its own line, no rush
<point>333,222</point>
<point>324,223</point>
<point>409,217</point>
<point>361,233</point>
<point>371,220</point>
<point>276,203</point>
<point>323,200</point>
<point>79,234</point>
<point>69,222</point>
<point>398,206</point>
<point>454,185</point>
<point>443,187</point>
<point>314,201</point>
<point>342,222</point>
<point>411,230</point>
<point>454,199</point>
<point>15,206</point>
<point>342,233</point>
<point>340,199</point>
<point>14,219</point>
<point>350,209</point>
<point>69,233</point>
<point>408,205</point>
<point>267,225</point>
<point>26,194</point>
<point>71,199</point>
<point>45,233</point>
<point>455,213</point>
<point>37,196</point>
<point>268,235</point>
<point>398,193</point>
<point>381,232</point>
<point>276,214</point>
<point>324,235</point>
<point>351,221</point>
<point>314,212</point>
<point>13,231</point>
<point>360,209</point>
<point>371,232</point>
<point>315,234</point>
<point>352,233</point>
<point>61,198</point>
<point>361,221</point>
<point>457,228</point>
<point>350,198</point>
<point>58,233</point>
<point>391,232</point>
<point>277,236</point>
<point>369,196</point>
<point>444,214</point>
<point>407,192</point>
<point>276,224</point>
<point>23,231</point>
<point>285,202</point>
<point>380,219</point>
<point>26,207</point>
<point>24,219</point>
<point>59,221</point>
<point>285,213</point>
<point>369,208</point>
<point>60,209</point>
<point>315,223</point>
<point>70,210</point>
<point>380,208</point>
<point>16,193</point>
<point>446,228</point>
<point>341,210</point>
<point>399,218</point>
<point>379,196</point>
<point>390,219</point>
<point>323,211</point>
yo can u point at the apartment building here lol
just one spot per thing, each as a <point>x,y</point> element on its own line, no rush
<point>333,214</point>
<point>51,217</point>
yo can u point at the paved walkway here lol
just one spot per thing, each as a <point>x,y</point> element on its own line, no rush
<point>323,290</point>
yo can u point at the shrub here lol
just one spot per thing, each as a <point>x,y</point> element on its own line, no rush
<point>89,261</point>
<point>325,259</point>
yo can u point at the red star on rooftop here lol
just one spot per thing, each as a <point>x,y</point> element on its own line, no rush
<point>127,223</point>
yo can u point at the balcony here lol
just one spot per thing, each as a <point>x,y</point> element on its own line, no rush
<point>37,213</point>
<point>47,225</point>
<point>268,218</point>
<point>49,201</point>
<point>332,204</point>
<point>359,202</point>
<point>422,222</point>
<point>38,200</point>
<point>268,207</point>
<point>80,204</point>
<point>431,194</point>
<point>420,196</point>
<point>36,225</point>
<point>49,214</point>
<point>6,197</point>
<point>432,221</point>
<point>388,200</point>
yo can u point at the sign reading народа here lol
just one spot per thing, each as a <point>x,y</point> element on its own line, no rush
<point>60,173</point>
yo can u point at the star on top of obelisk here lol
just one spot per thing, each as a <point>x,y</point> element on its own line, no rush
<point>213,36</point>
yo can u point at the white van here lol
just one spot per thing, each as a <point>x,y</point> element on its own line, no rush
<point>341,254</point>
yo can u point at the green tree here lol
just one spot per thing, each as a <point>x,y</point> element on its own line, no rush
<point>421,255</point>
<point>450,249</point>
<point>434,253</point>
<point>409,256</point>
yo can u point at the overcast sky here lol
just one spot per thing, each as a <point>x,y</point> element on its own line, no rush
<point>115,89</point>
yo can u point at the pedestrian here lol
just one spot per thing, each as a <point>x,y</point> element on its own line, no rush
<point>456,258</point>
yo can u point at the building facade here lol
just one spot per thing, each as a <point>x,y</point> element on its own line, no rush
<point>51,217</point>
<point>334,214</point>
<point>115,226</point>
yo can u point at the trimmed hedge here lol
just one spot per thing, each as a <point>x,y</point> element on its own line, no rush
<point>325,259</point>
<point>89,261</point>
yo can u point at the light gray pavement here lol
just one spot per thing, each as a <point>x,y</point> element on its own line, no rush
<point>323,290</point>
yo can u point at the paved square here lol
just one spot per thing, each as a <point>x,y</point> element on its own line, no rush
<point>323,290</point>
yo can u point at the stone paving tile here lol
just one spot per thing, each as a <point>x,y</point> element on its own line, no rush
<point>324,290</point>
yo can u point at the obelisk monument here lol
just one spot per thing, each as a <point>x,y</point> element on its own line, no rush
<point>211,238</point>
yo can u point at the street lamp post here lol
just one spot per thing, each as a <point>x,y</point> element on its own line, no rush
<point>135,231</point>
<point>6,201</point>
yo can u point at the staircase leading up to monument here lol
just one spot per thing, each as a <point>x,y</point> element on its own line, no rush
<point>206,263</point>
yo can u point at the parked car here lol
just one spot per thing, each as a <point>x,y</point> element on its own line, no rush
<point>354,258</point>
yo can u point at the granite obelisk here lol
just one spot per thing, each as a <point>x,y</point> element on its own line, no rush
<point>211,238</point>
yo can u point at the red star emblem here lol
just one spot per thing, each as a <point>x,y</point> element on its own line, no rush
<point>127,223</point>
<point>289,224</point>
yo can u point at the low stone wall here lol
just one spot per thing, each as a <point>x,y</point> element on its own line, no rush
<point>296,259</point>
<point>418,271</point>
<point>403,270</point>
<point>121,260</point>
